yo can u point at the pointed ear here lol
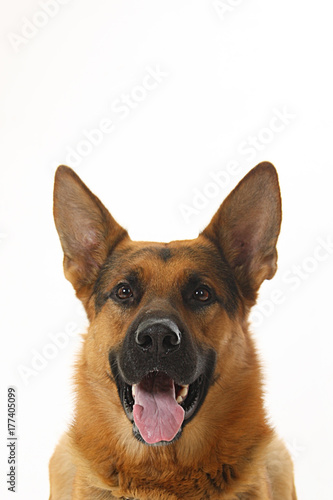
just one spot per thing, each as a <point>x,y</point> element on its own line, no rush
<point>87,231</point>
<point>246,228</point>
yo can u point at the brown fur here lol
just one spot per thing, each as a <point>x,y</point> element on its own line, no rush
<point>228,451</point>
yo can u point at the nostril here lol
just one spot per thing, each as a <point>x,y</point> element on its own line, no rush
<point>170,342</point>
<point>144,341</point>
<point>173,338</point>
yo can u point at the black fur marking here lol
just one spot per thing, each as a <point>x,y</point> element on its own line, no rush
<point>215,483</point>
<point>165,254</point>
<point>98,290</point>
<point>220,481</point>
<point>228,473</point>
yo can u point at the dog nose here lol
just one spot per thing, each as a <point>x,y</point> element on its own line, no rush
<point>161,336</point>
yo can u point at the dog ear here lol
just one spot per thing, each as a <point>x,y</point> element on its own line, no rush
<point>246,228</point>
<point>87,231</point>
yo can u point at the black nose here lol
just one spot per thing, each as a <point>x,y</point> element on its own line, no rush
<point>160,336</point>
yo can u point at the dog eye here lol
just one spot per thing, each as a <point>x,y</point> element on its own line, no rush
<point>124,292</point>
<point>202,294</point>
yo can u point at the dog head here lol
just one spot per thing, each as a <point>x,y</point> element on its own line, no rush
<point>163,316</point>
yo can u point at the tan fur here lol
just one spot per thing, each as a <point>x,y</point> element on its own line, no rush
<point>228,451</point>
<point>62,471</point>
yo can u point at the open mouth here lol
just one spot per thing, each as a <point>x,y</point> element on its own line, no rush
<point>159,407</point>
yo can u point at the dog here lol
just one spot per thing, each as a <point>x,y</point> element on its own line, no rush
<point>169,400</point>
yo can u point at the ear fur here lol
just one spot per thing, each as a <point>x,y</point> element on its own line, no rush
<point>246,228</point>
<point>87,231</point>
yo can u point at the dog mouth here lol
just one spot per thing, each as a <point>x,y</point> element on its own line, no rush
<point>159,407</point>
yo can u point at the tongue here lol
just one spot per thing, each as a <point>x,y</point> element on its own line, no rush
<point>156,412</point>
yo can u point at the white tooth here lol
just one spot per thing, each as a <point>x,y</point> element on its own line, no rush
<point>133,390</point>
<point>184,391</point>
<point>182,394</point>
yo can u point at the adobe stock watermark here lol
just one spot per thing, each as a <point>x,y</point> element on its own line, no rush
<point>225,7</point>
<point>249,149</point>
<point>40,358</point>
<point>121,108</point>
<point>30,28</point>
<point>293,278</point>
<point>278,122</point>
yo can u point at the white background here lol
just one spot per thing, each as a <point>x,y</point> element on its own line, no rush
<point>225,76</point>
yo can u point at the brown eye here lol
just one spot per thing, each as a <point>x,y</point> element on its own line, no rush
<point>124,292</point>
<point>201,294</point>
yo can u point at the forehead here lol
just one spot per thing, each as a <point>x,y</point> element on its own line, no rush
<point>167,259</point>
<point>164,265</point>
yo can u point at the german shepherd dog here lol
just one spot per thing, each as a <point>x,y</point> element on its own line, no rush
<point>169,400</point>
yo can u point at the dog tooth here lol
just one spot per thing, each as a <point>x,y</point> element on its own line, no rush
<point>133,390</point>
<point>184,391</point>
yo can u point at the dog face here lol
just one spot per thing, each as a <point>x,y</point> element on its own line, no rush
<point>167,320</point>
<point>164,297</point>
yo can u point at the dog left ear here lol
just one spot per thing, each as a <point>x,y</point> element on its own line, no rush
<point>246,228</point>
<point>87,231</point>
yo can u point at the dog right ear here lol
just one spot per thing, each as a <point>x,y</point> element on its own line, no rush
<point>87,231</point>
<point>246,228</point>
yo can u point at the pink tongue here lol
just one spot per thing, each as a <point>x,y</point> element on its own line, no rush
<point>156,412</point>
